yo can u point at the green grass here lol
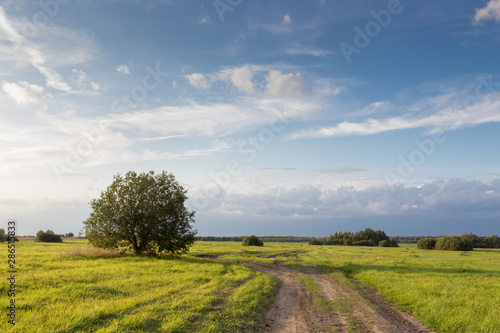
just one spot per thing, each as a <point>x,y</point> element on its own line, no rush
<point>448,291</point>
<point>62,290</point>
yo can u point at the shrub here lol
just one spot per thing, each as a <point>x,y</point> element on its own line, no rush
<point>315,242</point>
<point>252,241</point>
<point>426,243</point>
<point>454,243</point>
<point>48,237</point>
<point>394,243</point>
<point>347,242</point>
<point>364,243</point>
<point>384,243</point>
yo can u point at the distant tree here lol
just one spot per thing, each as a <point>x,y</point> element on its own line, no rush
<point>315,242</point>
<point>3,236</point>
<point>427,243</point>
<point>384,243</point>
<point>252,241</point>
<point>453,243</point>
<point>144,213</point>
<point>48,237</point>
<point>69,234</point>
<point>394,243</point>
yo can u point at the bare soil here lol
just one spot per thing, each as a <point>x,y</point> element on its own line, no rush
<point>332,307</point>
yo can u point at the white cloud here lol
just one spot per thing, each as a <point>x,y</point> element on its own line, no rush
<point>314,51</point>
<point>242,79</point>
<point>198,81</point>
<point>192,120</point>
<point>79,76</point>
<point>204,19</point>
<point>436,113</point>
<point>287,85</point>
<point>31,53</point>
<point>454,198</point>
<point>22,93</point>
<point>123,69</point>
<point>95,86</point>
<point>490,12</point>
<point>287,20</point>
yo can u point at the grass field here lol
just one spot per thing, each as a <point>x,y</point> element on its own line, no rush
<point>60,289</point>
<point>66,288</point>
<point>448,291</point>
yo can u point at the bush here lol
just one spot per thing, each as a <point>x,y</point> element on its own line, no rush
<point>454,243</point>
<point>394,243</point>
<point>347,242</point>
<point>426,243</point>
<point>252,241</point>
<point>364,243</point>
<point>48,237</point>
<point>384,243</point>
<point>315,242</point>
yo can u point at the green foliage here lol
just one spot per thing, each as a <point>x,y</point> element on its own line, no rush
<point>384,243</point>
<point>315,242</point>
<point>252,241</point>
<point>262,238</point>
<point>394,243</point>
<point>453,243</point>
<point>144,213</point>
<point>48,237</point>
<point>3,236</point>
<point>367,237</point>
<point>426,243</point>
<point>483,242</point>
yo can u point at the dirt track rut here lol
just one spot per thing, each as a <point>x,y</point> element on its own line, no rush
<point>333,307</point>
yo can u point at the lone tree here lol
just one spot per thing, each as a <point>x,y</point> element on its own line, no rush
<point>142,212</point>
<point>252,241</point>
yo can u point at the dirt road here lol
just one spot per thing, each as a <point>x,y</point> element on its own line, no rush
<point>327,305</point>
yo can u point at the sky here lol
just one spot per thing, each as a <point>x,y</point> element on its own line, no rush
<point>278,117</point>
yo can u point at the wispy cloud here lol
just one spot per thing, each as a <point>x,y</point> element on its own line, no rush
<point>193,120</point>
<point>23,93</point>
<point>37,54</point>
<point>444,112</point>
<point>311,50</point>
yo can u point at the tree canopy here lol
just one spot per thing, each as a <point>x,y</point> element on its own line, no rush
<point>48,236</point>
<point>142,212</point>
<point>252,241</point>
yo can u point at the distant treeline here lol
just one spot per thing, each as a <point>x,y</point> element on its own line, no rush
<point>339,237</point>
<point>466,242</point>
<point>411,239</point>
<point>263,238</point>
<point>367,237</point>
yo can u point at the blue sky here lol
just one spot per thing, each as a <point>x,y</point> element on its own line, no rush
<point>278,117</point>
